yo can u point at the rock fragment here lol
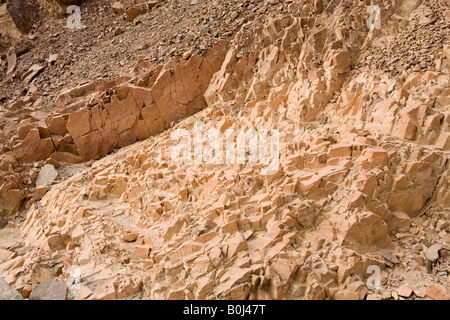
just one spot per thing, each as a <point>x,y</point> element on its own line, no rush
<point>49,290</point>
<point>8,293</point>
<point>46,176</point>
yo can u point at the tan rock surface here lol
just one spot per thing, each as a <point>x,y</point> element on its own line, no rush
<point>362,182</point>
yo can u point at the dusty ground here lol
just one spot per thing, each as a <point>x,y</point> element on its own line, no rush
<point>108,45</point>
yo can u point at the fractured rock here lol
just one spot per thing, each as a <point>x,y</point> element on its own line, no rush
<point>46,176</point>
<point>432,253</point>
<point>437,292</point>
<point>49,290</point>
<point>347,190</point>
<point>404,291</point>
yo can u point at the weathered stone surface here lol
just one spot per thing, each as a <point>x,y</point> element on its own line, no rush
<point>34,148</point>
<point>362,179</point>
<point>8,293</point>
<point>46,176</point>
<point>11,194</point>
<point>16,19</point>
<point>104,291</point>
<point>66,157</point>
<point>367,231</point>
<point>40,192</point>
<point>437,292</point>
<point>57,126</point>
<point>404,291</point>
<point>8,29</point>
<point>49,290</point>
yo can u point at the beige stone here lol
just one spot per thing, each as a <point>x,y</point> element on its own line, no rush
<point>104,291</point>
<point>140,252</point>
<point>236,244</point>
<point>437,292</point>
<point>443,141</point>
<point>404,291</point>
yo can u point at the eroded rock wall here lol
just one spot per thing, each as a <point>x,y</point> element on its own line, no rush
<point>362,154</point>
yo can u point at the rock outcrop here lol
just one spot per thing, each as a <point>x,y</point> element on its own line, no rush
<point>363,160</point>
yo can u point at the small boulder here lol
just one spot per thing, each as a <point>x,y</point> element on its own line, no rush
<point>432,253</point>
<point>437,292</point>
<point>47,175</point>
<point>8,293</point>
<point>404,291</point>
<point>49,290</point>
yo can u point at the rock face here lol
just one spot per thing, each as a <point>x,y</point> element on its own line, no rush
<point>134,113</point>
<point>23,13</point>
<point>362,156</point>
<point>16,20</point>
